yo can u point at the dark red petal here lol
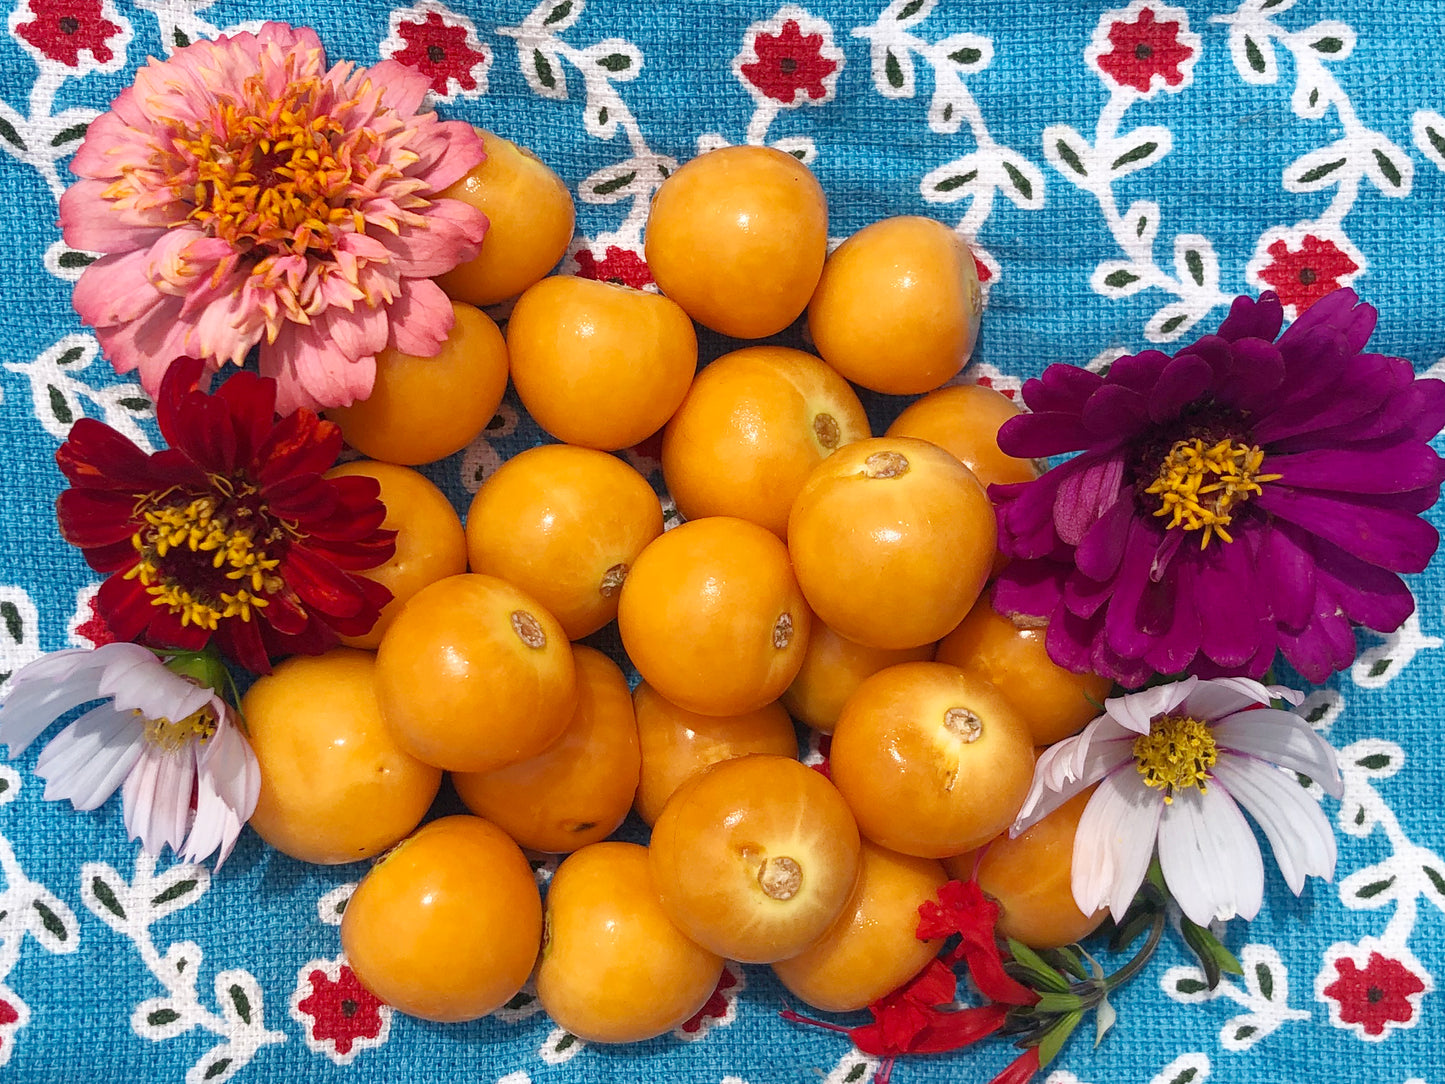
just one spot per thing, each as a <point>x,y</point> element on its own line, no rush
<point>240,641</point>
<point>165,630</point>
<point>95,517</point>
<point>96,456</point>
<point>117,557</point>
<point>286,615</point>
<point>300,443</point>
<point>356,556</point>
<point>377,596</point>
<point>1022,1069</point>
<point>182,378</point>
<point>306,498</point>
<point>251,400</point>
<point>124,606</point>
<point>320,585</point>
<point>955,1030</point>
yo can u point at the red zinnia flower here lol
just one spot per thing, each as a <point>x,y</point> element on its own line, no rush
<point>1377,996</point>
<point>791,66</point>
<point>1153,45</point>
<point>232,532</point>
<point>1303,276</point>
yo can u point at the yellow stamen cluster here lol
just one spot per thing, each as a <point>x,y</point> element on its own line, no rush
<point>198,527</point>
<point>1177,753</point>
<point>1198,486</point>
<point>173,735</point>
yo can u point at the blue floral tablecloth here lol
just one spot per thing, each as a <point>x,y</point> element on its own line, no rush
<point>1121,173</point>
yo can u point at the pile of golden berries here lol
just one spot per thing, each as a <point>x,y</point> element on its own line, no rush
<point>822,575</point>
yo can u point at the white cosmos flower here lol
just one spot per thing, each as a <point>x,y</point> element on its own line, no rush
<point>1174,764</point>
<point>161,738</point>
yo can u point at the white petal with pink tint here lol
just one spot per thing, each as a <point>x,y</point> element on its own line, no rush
<point>90,758</point>
<point>1297,829</point>
<point>1114,842</point>
<point>1136,710</point>
<point>1209,856</point>
<point>1283,738</point>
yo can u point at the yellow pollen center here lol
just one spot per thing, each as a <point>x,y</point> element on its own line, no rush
<point>229,550</point>
<point>1177,753</point>
<point>172,736</point>
<point>1199,487</point>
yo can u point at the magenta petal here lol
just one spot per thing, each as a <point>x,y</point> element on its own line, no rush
<point>1102,547</point>
<point>1398,541</point>
<point>1061,388</point>
<point>1139,372</point>
<point>1069,642</point>
<point>1250,319</point>
<point>1026,516</point>
<point>1370,596</point>
<point>1042,434</point>
<point>1255,374</point>
<point>1229,603</point>
<point>1029,588</point>
<point>1115,410</point>
<point>1089,490</point>
<point>1121,620</point>
<point>1355,470</point>
<point>1083,597</point>
<point>1290,582</point>
<point>1184,380</point>
<point>1325,645</point>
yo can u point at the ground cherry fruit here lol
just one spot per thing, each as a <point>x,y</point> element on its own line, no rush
<point>578,789</point>
<point>755,857</point>
<point>964,419</point>
<point>832,668</point>
<point>933,761</point>
<point>614,968</point>
<point>447,925</point>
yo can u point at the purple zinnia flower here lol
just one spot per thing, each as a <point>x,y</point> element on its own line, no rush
<point>1242,497</point>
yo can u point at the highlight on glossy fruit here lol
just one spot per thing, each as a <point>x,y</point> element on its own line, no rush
<point>566,525</point>
<point>447,925</point>
<point>424,409</point>
<point>897,306</point>
<point>737,237</point>
<point>932,760</point>
<point>964,419</point>
<point>1031,877</point>
<point>1053,701</point>
<point>579,789</point>
<point>892,540</point>
<point>598,364</point>
<point>474,674</point>
<point>755,857</point>
<point>531,215</point>
<point>873,947</point>
<point>335,785</point>
<point>712,617</point>
<point>676,743</point>
<point>430,545</point>
<point>614,967</point>
<point>753,426</point>
<point>833,667</point>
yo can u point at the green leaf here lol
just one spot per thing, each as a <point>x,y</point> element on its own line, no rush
<point>161,1017</point>
<point>1056,1036</point>
<point>1066,958</point>
<point>1066,152</point>
<point>10,135</point>
<point>1191,986</point>
<point>967,55</point>
<point>558,13</point>
<point>799,153</point>
<point>1052,1002</point>
<point>856,1073</point>
<point>1322,170</point>
<point>622,180</point>
<point>1373,889</point>
<point>1037,967</point>
<point>1436,878</point>
<point>1436,140</point>
<point>1213,957</point>
<point>106,897</point>
<point>948,184</point>
<point>1120,278</point>
<point>1270,4</point>
<point>1253,54</point>
<point>566,1041</point>
<point>1186,1076</point>
<point>1375,761</point>
<point>1170,324</point>
<point>1314,97</point>
<point>180,38</point>
<point>135,403</point>
<point>71,356</point>
<point>1134,154</point>
<point>1244,1032</point>
<point>910,9</point>
<point>1392,174</point>
<point>13,625</point>
<point>1142,225</point>
<point>893,70</point>
<point>1020,181</point>
<point>51,921</point>
<point>616,62</point>
<point>58,405</point>
<point>69,135</point>
<point>1265,977</point>
<point>1360,815</point>
<point>602,116</point>
<point>1327,45</point>
<point>545,75</point>
<point>175,891</point>
<point>71,260</point>
<point>1195,263</point>
<point>1317,713</point>
<point>216,1068</point>
<point>242,1003</point>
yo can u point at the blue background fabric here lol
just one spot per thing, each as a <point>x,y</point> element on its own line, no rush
<point>1291,140</point>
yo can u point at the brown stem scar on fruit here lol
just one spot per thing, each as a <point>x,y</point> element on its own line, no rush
<point>780,878</point>
<point>826,428</point>
<point>962,723</point>
<point>783,631</point>
<point>528,629</point>
<point>886,465</point>
<point>612,580</point>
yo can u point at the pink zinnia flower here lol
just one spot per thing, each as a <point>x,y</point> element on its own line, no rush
<point>245,196</point>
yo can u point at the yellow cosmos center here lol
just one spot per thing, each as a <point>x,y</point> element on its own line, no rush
<point>173,735</point>
<point>1199,487</point>
<point>1177,753</point>
<point>209,542</point>
<point>268,170</point>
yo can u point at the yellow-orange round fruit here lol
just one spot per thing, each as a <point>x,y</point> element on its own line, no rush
<point>335,786</point>
<point>873,947</point>
<point>964,419</point>
<point>1031,878</point>
<point>712,617</point>
<point>1053,701</point>
<point>564,524</point>
<point>614,968</point>
<point>897,306</point>
<point>755,857</point>
<point>892,540</point>
<point>737,237</point>
<point>448,924</point>
<point>598,364</point>
<point>753,426</point>
<point>578,789</point>
<point>676,743</point>
<point>424,409</point>
<point>474,674</point>
<point>430,545</point>
<point>530,215</point>
<point>832,668</point>
<point>932,760</point>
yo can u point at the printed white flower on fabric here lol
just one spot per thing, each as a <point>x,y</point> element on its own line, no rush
<point>1174,764</point>
<point>159,737</point>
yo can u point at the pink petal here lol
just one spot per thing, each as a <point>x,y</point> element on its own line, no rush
<point>91,222</point>
<point>448,151</point>
<point>116,289</point>
<point>402,88</point>
<point>452,234</point>
<point>421,318</point>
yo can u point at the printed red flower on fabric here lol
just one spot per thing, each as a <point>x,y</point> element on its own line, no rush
<point>1384,994</point>
<point>340,1013</point>
<point>1304,275</point>
<point>62,29</point>
<point>719,1006</point>
<point>1145,47</point>
<point>231,534</point>
<point>796,63</point>
<point>620,265</point>
<point>441,45</point>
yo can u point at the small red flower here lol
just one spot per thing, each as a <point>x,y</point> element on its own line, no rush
<point>790,65</point>
<point>341,1011</point>
<point>1021,1070</point>
<point>8,1013</point>
<point>1147,47</point>
<point>62,29</point>
<point>93,629</point>
<point>984,274</point>
<point>1376,997</point>
<point>440,51</point>
<point>1303,276</point>
<point>619,265</point>
<point>231,533</point>
<point>717,1005</point>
